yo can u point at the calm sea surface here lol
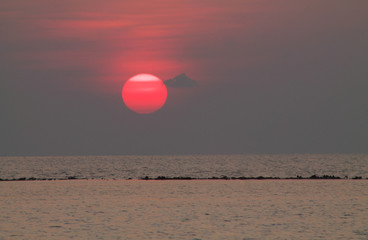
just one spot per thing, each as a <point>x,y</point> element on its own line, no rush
<point>184,209</point>
<point>197,166</point>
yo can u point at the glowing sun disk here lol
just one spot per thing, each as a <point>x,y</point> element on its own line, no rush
<point>144,93</point>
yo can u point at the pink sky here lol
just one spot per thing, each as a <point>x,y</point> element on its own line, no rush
<point>274,76</point>
<point>121,38</point>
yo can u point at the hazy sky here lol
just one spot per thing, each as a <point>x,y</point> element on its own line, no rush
<point>280,76</point>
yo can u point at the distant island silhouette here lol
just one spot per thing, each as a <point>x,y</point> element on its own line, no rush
<point>181,81</point>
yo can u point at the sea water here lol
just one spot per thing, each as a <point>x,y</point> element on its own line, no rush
<point>196,166</point>
<point>184,209</point>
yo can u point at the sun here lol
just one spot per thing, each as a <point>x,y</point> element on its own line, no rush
<point>144,93</point>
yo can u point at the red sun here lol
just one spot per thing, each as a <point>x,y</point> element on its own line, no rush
<point>144,93</point>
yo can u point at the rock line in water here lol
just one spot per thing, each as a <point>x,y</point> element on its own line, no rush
<point>223,177</point>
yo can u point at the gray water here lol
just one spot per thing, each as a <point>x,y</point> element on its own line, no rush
<point>195,209</point>
<point>196,166</point>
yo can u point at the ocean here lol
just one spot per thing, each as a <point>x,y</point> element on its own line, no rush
<point>196,166</point>
<point>101,203</point>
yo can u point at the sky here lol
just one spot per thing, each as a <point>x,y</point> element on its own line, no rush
<point>279,76</point>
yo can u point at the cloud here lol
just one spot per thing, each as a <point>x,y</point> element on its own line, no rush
<point>181,81</point>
